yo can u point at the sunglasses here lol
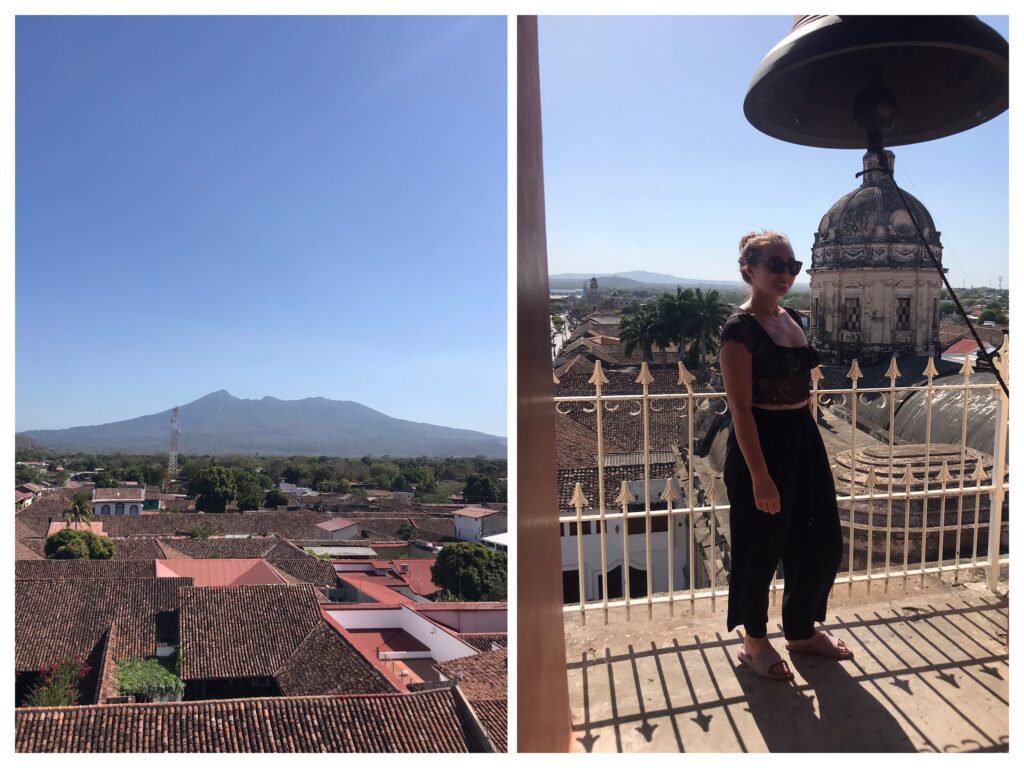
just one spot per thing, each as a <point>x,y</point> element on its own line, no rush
<point>777,265</point>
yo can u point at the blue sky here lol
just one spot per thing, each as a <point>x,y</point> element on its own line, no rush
<point>650,164</point>
<point>292,207</point>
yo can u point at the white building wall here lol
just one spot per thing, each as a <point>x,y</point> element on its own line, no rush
<point>637,556</point>
<point>442,645</point>
<point>372,619</point>
<point>467,528</point>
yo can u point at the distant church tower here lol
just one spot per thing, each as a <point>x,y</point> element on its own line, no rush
<point>591,293</point>
<point>874,291</point>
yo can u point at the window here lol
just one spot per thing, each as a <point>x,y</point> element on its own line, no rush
<point>816,314</point>
<point>903,313</point>
<point>105,509</point>
<point>134,510</point>
<point>119,509</point>
<point>851,314</point>
<point>637,525</point>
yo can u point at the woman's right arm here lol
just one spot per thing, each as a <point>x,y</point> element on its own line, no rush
<point>735,360</point>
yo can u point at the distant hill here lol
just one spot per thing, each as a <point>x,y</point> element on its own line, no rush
<point>221,423</point>
<point>634,279</point>
<point>640,279</point>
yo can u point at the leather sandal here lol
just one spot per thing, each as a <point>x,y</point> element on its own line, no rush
<point>823,645</point>
<point>763,663</point>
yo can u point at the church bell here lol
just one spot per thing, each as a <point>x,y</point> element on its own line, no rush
<point>855,82</point>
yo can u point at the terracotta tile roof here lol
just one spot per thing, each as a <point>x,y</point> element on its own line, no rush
<point>21,496</point>
<point>412,722</point>
<point>435,529</point>
<point>137,549</point>
<point>312,570</point>
<point>613,477</point>
<point>25,527</point>
<point>248,631</point>
<point>480,676</point>
<point>326,662</point>
<point>59,617</point>
<point>289,525</point>
<point>84,569</point>
<point>385,527</point>
<point>484,641</point>
<point>493,714</point>
<point>22,550</point>
<point>119,494</point>
<point>222,548</point>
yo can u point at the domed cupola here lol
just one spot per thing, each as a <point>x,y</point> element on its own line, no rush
<point>873,214</point>
<point>874,289</point>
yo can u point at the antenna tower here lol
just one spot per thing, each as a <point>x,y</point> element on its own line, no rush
<point>172,457</point>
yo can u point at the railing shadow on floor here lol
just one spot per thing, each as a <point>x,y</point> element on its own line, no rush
<point>912,685</point>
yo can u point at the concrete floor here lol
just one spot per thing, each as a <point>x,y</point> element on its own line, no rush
<point>930,674</point>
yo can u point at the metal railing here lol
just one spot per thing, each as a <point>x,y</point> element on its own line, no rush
<point>900,509</point>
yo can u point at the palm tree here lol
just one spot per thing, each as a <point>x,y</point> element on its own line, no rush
<point>641,330</point>
<point>709,315</point>
<point>677,311</point>
<point>80,510</point>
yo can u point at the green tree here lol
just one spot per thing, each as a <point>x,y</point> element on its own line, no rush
<point>106,479</point>
<point>642,330</point>
<point>275,498</point>
<point>325,473</point>
<point>292,474</point>
<point>248,490</point>
<point>212,489</point>
<point>423,478</point>
<point>383,473</point>
<point>67,544</point>
<point>709,315</point>
<point>479,489</point>
<point>100,547</point>
<point>24,474</point>
<point>471,571</point>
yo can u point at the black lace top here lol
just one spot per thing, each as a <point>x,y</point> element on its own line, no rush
<point>782,375</point>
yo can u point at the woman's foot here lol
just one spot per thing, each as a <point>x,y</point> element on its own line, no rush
<point>758,654</point>
<point>821,644</point>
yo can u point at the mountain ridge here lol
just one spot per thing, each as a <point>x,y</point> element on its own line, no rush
<point>220,423</point>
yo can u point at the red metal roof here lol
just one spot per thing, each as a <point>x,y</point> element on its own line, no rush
<point>221,572</point>
<point>964,346</point>
<point>21,496</point>
<point>336,524</point>
<point>372,587</point>
<point>95,527</point>
<point>418,576</point>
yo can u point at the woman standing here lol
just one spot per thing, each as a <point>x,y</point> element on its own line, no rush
<point>781,495</point>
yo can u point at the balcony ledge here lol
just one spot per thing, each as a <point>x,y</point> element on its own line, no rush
<point>930,674</point>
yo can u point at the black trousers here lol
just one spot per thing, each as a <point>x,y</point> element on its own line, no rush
<point>805,535</point>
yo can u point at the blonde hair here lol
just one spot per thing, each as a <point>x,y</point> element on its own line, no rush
<point>753,244</point>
